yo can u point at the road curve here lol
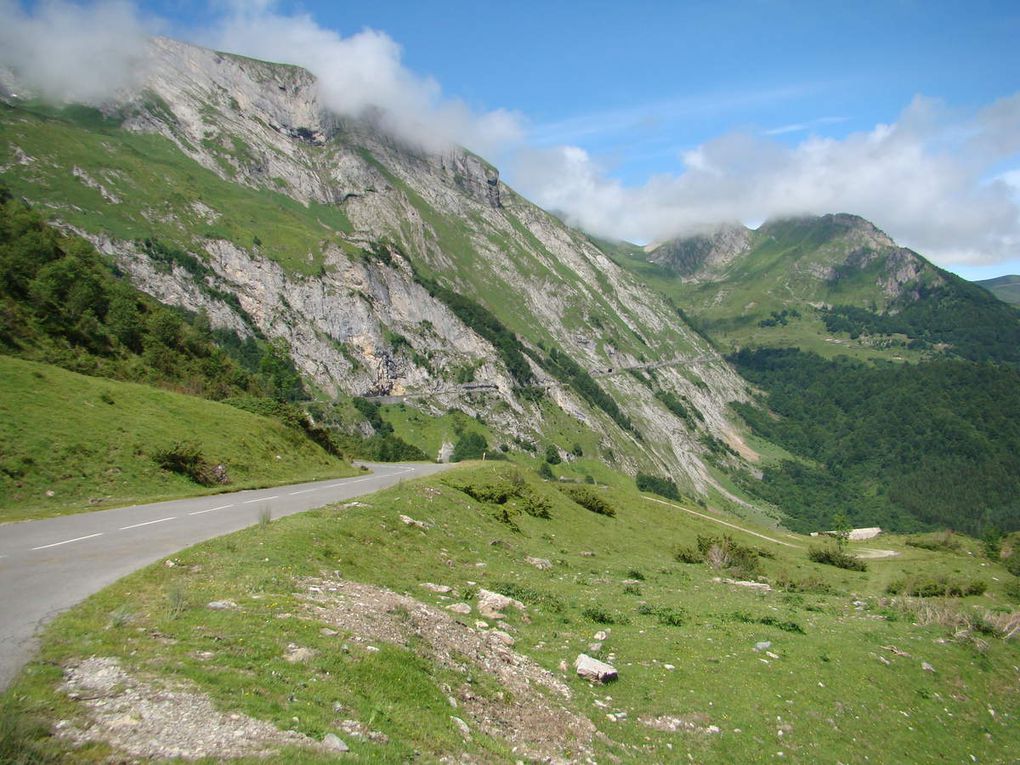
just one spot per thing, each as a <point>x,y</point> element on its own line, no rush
<point>50,565</point>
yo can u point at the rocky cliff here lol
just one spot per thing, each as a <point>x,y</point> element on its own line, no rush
<point>342,241</point>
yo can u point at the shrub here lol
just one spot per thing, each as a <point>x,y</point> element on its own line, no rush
<point>671,617</point>
<point>635,574</point>
<point>535,505</point>
<point>940,540</point>
<point>600,615</point>
<point>544,471</point>
<point>589,500</point>
<point>186,458</point>
<point>936,587</point>
<point>832,556</point>
<point>529,596</point>
<point>688,555</point>
<point>470,446</point>
<point>723,552</point>
<point>812,584</point>
<point>552,454</point>
<point>657,485</point>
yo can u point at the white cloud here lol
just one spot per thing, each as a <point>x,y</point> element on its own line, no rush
<point>69,52</point>
<point>361,73</point>
<point>922,179</point>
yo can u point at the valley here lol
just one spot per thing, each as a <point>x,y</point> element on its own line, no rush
<point>213,283</point>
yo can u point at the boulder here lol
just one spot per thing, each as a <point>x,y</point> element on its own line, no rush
<point>492,604</point>
<point>594,670</point>
<point>334,743</point>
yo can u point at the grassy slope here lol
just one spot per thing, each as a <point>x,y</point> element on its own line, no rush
<point>1006,288</point>
<point>826,697</point>
<point>157,187</point>
<point>757,285</point>
<point>88,438</point>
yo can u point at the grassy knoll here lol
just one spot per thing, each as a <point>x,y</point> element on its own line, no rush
<point>843,678</point>
<point>91,442</point>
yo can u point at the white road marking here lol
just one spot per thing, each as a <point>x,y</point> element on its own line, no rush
<point>221,507</point>
<point>259,499</point>
<point>147,523</point>
<point>304,491</point>
<point>348,483</point>
<point>68,541</point>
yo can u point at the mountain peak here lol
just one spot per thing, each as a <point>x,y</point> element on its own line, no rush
<point>711,249</point>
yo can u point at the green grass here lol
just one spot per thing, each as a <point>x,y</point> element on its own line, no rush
<point>826,689</point>
<point>157,187</point>
<point>91,442</point>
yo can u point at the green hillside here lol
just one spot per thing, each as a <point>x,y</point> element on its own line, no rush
<point>834,285</point>
<point>1006,288</point>
<point>333,632</point>
<point>71,443</point>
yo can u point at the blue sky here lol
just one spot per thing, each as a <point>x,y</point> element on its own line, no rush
<point>643,119</point>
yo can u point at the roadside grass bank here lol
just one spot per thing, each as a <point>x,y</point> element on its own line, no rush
<point>323,626</point>
<point>71,443</point>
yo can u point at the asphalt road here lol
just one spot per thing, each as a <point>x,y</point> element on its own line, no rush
<point>50,565</point>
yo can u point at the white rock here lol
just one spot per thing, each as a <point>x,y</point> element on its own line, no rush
<point>540,563</point>
<point>459,608</point>
<point>502,637</point>
<point>442,589</point>
<point>594,670</point>
<point>491,604</point>
<point>221,605</point>
<point>334,743</point>
<point>463,726</point>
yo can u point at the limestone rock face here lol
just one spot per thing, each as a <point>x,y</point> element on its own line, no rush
<point>355,311</point>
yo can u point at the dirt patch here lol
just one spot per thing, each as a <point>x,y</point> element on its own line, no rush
<point>157,719</point>
<point>531,718</point>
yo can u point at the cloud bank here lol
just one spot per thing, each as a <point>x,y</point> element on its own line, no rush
<point>946,184</point>
<point>69,52</point>
<point>927,179</point>
<point>364,73</point>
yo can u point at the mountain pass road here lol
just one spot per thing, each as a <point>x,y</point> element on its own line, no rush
<point>49,565</point>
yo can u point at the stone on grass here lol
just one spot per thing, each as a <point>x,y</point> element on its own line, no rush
<point>540,563</point>
<point>594,670</point>
<point>601,635</point>
<point>442,589</point>
<point>462,726</point>
<point>927,667</point>
<point>221,605</point>
<point>409,521</point>
<point>491,604</point>
<point>460,608</point>
<point>334,743</point>
<point>764,645</point>
<point>502,637</point>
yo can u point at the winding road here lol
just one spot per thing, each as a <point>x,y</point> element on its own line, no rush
<point>50,565</point>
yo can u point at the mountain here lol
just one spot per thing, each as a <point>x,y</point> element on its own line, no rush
<point>1006,288</point>
<point>224,187</point>
<point>834,284</point>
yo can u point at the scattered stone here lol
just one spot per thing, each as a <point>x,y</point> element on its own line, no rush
<point>463,726</point>
<point>884,660</point>
<point>491,604</point>
<point>927,667</point>
<point>693,723</point>
<point>354,504</point>
<point>459,608</point>
<point>594,647</point>
<point>587,554</point>
<point>442,589</point>
<point>594,670</point>
<point>355,729</point>
<point>480,625</point>
<point>371,649</point>
<point>760,586</point>
<point>50,493</point>
<point>897,651</point>
<point>409,521</point>
<point>772,655</point>
<point>503,637</point>
<point>670,667</point>
<point>148,719</point>
<point>333,743</point>
<point>169,564</point>
<point>601,635</point>
<point>221,605</point>
<point>296,654</point>
<point>540,563</point>
<point>764,645</point>
<point>327,632</point>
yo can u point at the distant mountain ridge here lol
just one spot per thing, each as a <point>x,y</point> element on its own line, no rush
<point>1006,288</point>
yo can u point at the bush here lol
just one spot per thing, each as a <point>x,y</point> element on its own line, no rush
<point>939,541</point>
<point>723,552</point>
<point>589,500</point>
<point>832,556</point>
<point>552,455</point>
<point>671,617</point>
<point>600,615</point>
<point>529,596</point>
<point>186,458</point>
<point>544,471</point>
<point>936,587</point>
<point>470,446</point>
<point>657,485</point>
<point>785,581</point>
<point>688,555</point>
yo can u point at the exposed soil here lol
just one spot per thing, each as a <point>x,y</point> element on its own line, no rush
<point>531,717</point>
